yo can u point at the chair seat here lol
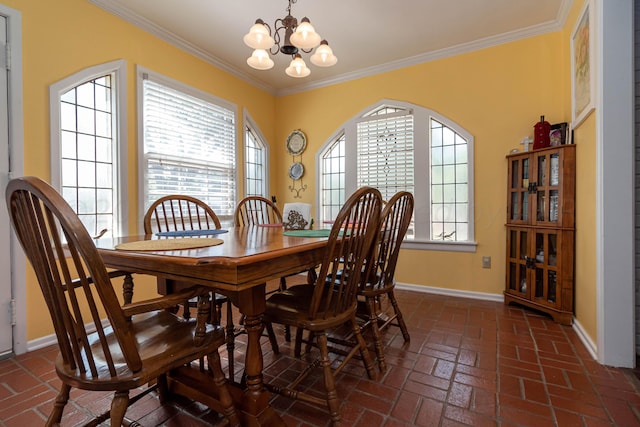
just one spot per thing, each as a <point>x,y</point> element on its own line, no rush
<point>291,307</point>
<point>159,335</point>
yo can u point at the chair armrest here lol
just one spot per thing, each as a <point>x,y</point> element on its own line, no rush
<point>166,301</point>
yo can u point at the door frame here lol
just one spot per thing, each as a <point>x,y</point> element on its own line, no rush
<point>16,168</point>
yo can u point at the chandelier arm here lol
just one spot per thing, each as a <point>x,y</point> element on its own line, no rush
<point>278,25</point>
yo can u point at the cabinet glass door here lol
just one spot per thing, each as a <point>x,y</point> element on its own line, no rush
<point>546,267</point>
<point>518,203</point>
<point>517,256</point>
<point>547,195</point>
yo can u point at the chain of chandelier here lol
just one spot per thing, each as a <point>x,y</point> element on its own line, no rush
<point>297,38</point>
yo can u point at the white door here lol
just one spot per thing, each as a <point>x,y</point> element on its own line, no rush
<point>6,336</point>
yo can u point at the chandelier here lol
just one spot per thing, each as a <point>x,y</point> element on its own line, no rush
<point>296,38</point>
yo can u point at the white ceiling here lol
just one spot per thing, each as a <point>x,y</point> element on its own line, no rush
<point>367,36</point>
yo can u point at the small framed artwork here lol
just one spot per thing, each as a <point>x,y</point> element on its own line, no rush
<point>583,65</point>
<point>558,134</point>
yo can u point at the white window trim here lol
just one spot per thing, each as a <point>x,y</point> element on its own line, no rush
<point>141,74</point>
<point>56,90</point>
<point>247,120</point>
<point>422,120</point>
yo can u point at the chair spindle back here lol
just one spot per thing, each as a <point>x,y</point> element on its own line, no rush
<point>179,213</point>
<point>256,210</point>
<point>73,279</point>
<point>350,240</point>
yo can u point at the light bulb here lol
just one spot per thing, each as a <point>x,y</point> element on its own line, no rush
<point>260,60</point>
<point>297,68</point>
<point>259,36</point>
<point>323,56</point>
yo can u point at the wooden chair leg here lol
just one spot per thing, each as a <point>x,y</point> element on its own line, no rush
<point>364,351</point>
<point>377,337</point>
<point>287,328</point>
<point>231,340</point>
<point>297,348</point>
<point>163,387</point>
<point>223,392</point>
<point>58,406</point>
<point>119,407</point>
<point>329,381</point>
<point>307,346</point>
<point>272,337</point>
<point>399,318</point>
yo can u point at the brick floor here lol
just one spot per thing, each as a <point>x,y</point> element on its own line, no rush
<point>469,362</point>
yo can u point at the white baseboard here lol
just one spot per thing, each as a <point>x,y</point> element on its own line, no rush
<point>48,340</point>
<point>592,348</point>
<point>450,292</point>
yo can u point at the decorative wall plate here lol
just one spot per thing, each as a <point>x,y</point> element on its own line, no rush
<point>296,170</point>
<point>296,142</point>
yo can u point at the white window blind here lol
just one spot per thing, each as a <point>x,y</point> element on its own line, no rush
<point>385,153</point>
<point>189,148</point>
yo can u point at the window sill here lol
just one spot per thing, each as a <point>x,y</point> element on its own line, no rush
<point>432,245</point>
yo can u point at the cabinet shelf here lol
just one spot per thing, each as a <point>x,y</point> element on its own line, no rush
<point>540,231</point>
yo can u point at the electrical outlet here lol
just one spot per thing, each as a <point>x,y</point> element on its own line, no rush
<point>486,262</point>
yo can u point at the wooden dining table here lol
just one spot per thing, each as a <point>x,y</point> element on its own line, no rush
<point>239,268</point>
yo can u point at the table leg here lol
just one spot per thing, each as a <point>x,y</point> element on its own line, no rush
<point>255,409</point>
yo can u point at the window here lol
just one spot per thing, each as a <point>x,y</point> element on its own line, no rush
<point>188,145</point>
<point>255,161</point>
<point>332,189</point>
<point>86,113</point>
<point>449,184</point>
<point>395,146</point>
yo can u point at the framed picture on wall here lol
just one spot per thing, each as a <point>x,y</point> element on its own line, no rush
<point>582,65</point>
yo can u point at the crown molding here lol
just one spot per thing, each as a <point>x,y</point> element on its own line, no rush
<point>179,42</point>
<point>144,24</point>
<point>475,45</point>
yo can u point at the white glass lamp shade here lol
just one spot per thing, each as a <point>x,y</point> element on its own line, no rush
<point>323,56</point>
<point>305,36</point>
<point>260,60</point>
<point>297,68</point>
<point>258,36</point>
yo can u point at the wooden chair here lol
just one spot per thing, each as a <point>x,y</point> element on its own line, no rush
<point>178,212</point>
<point>256,210</point>
<point>380,272</point>
<point>133,344</point>
<point>320,307</point>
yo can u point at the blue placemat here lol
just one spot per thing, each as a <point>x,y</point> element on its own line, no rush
<point>183,233</point>
<point>308,233</point>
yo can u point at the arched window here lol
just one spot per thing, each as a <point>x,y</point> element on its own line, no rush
<point>396,146</point>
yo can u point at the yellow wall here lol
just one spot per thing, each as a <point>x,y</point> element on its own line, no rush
<point>585,299</point>
<point>497,94</point>
<point>585,274</point>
